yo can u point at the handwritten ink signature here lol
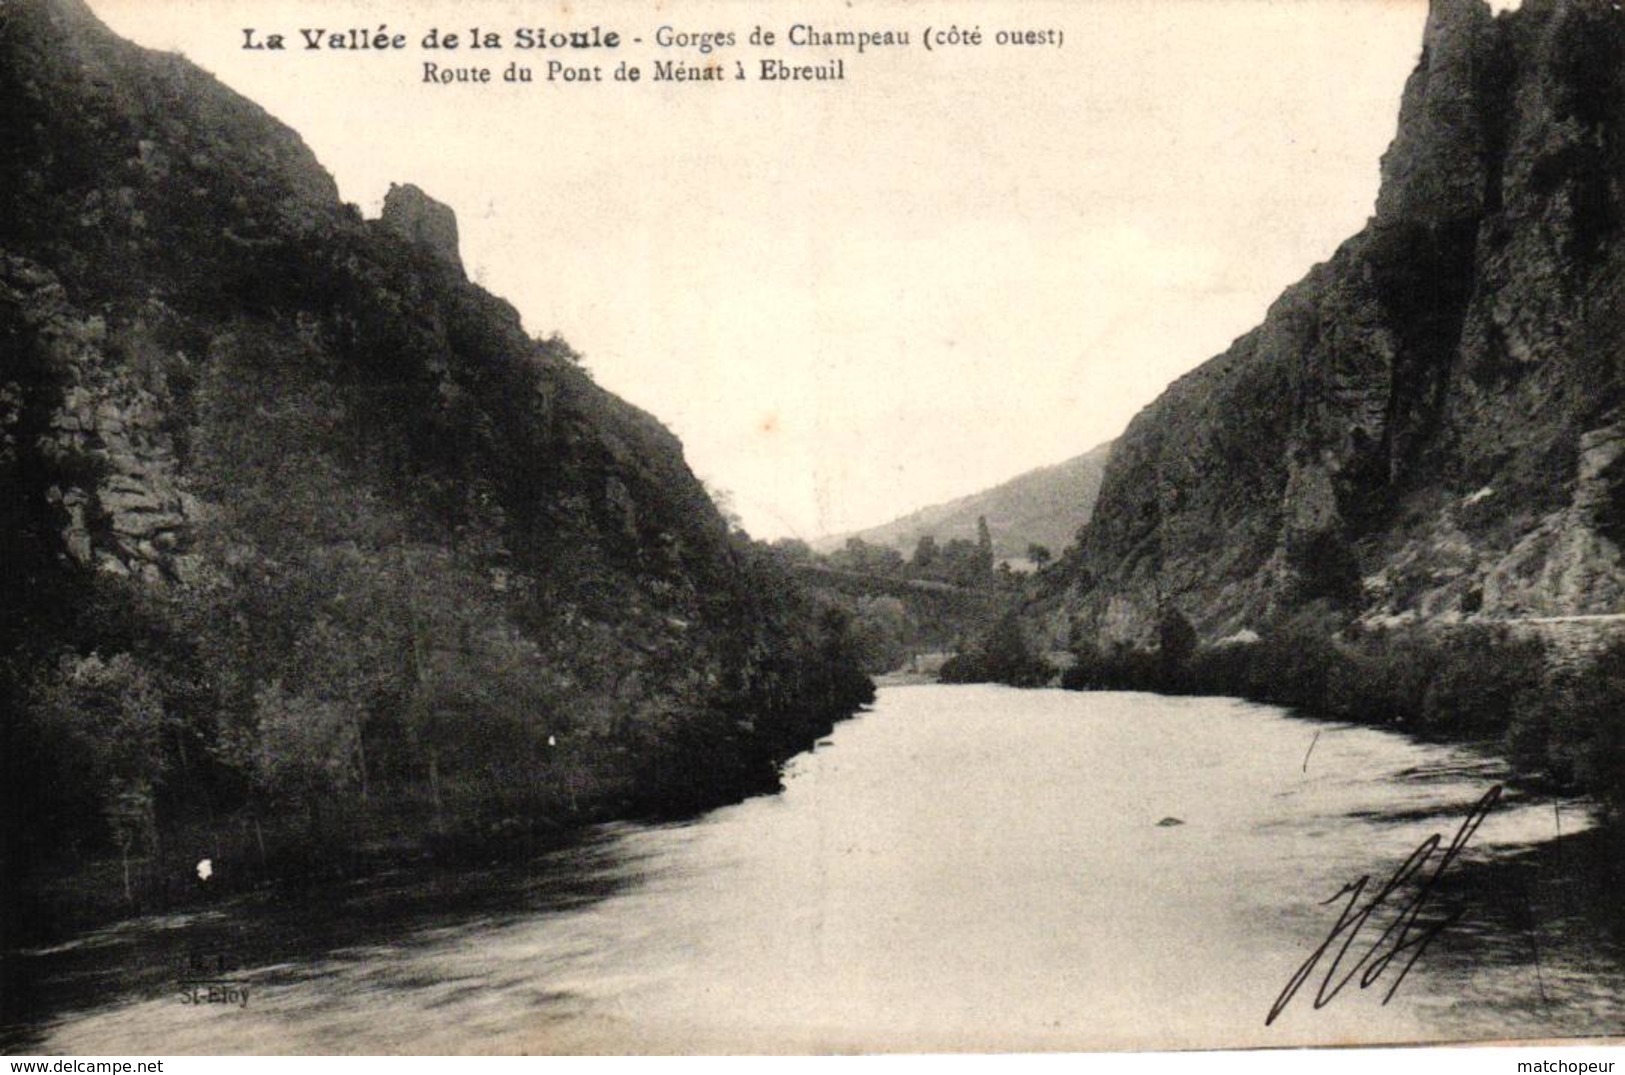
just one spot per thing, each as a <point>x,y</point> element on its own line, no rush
<point>1406,937</point>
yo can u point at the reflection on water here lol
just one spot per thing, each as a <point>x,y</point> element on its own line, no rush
<point>962,868</point>
<point>273,942</point>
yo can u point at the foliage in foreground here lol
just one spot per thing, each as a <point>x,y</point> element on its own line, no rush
<point>349,712</point>
<point>1004,655</point>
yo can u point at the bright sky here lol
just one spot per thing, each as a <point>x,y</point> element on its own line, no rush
<point>851,300</point>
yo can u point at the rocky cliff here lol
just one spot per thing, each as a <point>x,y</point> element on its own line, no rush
<point>1429,426</point>
<point>295,514</point>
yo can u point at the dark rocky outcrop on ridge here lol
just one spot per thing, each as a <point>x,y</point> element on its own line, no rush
<point>1431,425</point>
<point>418,218</point>
<point>300,527</point>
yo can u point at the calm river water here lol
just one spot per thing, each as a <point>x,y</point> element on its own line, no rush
<point>960,868</point>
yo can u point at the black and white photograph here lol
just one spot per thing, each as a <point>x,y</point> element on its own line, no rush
<point>779,528</point>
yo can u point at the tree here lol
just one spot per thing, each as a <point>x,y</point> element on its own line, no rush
<point>1004,655</point>
<point>858,555</point>
<point>925,553</point>
<point>793,551</point>
<point>880,628</point>
<point>723,500</point>
<point>306,746</point>
<point>961,563</point>
<point>984,547</point>
<point>112,714</point>
<point>1176,642</point>
<point>1039,554</point>
<point>885,560</point>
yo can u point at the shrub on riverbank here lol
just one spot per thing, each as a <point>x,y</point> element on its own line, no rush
<point>1004,655</point>
<point>1467,682</point>
<point>1573,734</point>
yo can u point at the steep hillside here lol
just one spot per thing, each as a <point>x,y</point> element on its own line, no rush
<point>301,527</point>
<point>1429,426</point>
<point>1046,507</point>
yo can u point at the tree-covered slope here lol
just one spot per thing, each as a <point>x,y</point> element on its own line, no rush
<point>300,528</point>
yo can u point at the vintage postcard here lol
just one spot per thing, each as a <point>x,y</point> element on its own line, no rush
<point>728,526</point>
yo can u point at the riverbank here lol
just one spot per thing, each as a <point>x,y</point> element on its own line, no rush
<point>454,826</point>
<point>953,850</point>
<point>1554,718</point>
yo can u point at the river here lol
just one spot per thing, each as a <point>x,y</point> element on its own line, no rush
<point>958,868</point>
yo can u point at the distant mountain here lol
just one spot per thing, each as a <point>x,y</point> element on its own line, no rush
<point>1044,506</point>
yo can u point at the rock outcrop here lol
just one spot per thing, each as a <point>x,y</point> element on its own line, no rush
<point>1428,426</point>
<point>418,218</point>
